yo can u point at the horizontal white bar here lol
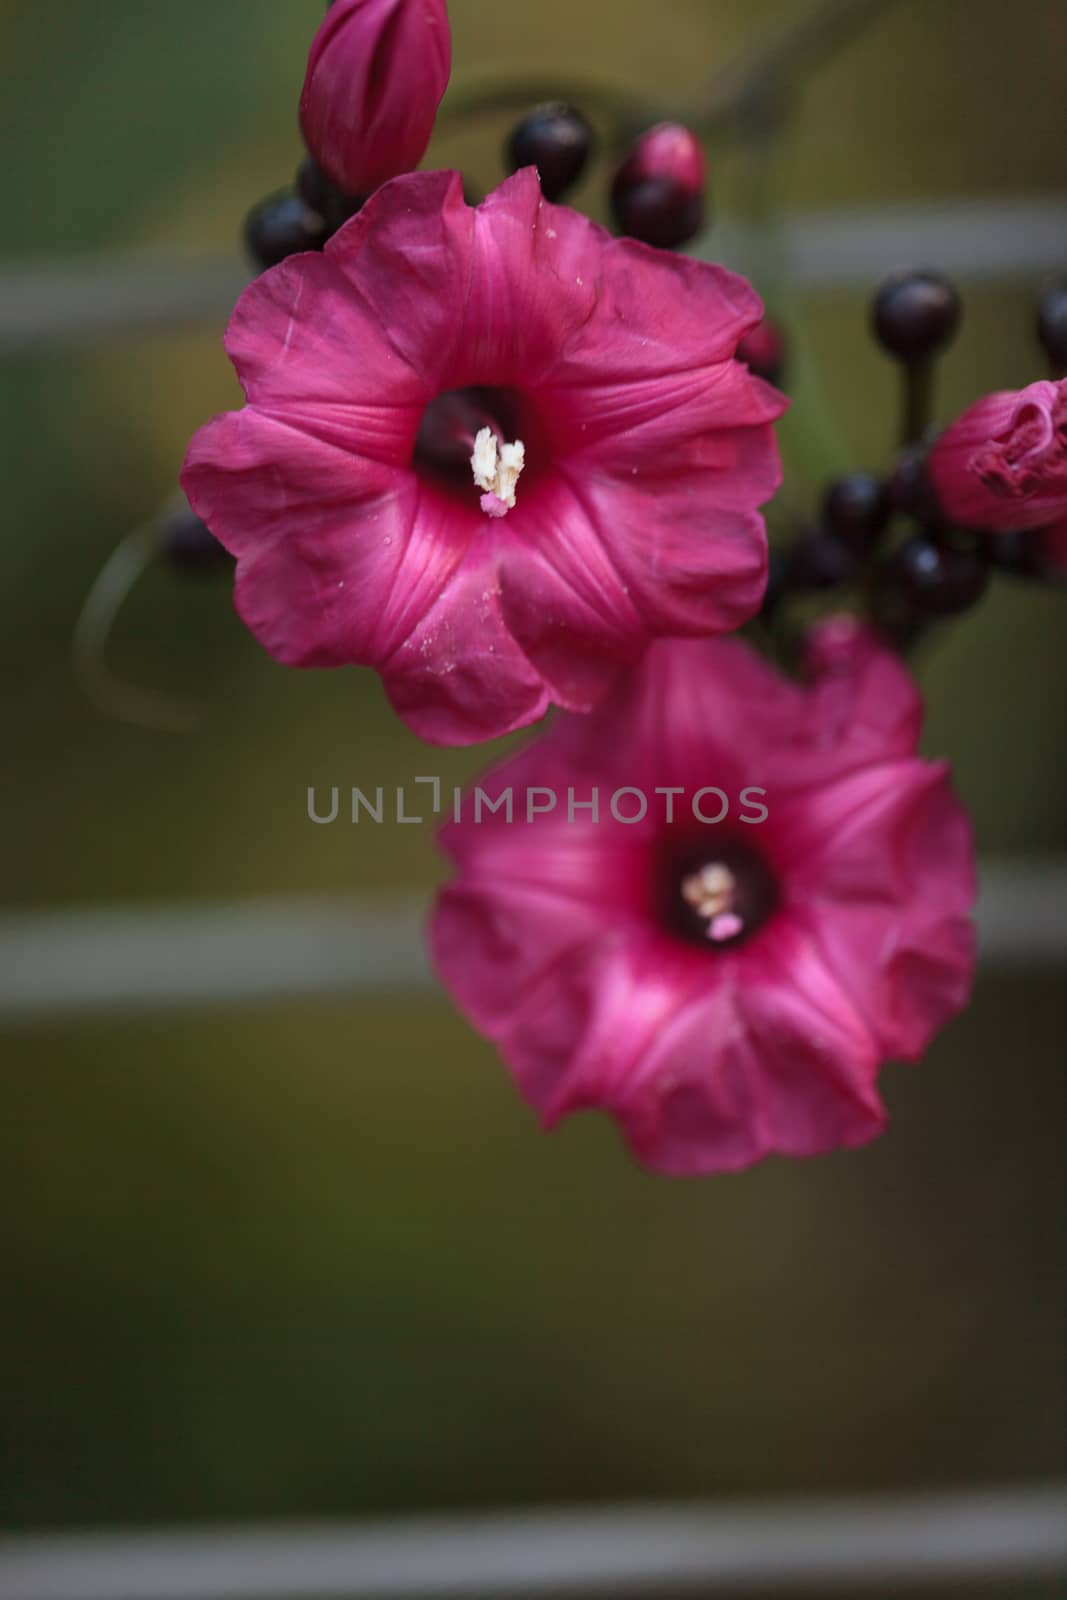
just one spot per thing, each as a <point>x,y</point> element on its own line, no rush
<point>56,962</point>
<point>816,1546</point>
<point>61,302</point>
<point>180,955</point>
<point>973,240</point>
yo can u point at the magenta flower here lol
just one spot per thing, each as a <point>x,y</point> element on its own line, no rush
<point>376,75</point>
<point>724,989</point>
<point>1002,465</point>
<point>490,453</point>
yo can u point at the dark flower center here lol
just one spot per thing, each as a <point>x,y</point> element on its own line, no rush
<point>450,425</point>
<point>715,895</point>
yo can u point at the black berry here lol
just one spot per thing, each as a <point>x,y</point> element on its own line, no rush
<point>556,139</point>
<point>910,491</point>
<point>322,196</point>
<point>190,546</point>
<point>1052,325</point>
<point>658,211</point>
<point>935,580</point>
<point>763,350</point>
<point>777,583</point>
<point>279,227</point>
<point>820,560</point>
<point>915,315</point>
<point>856,509</point>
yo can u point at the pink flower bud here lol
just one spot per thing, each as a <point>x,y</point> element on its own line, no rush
<point>657,195</point>
<point>376,74</point>
<point>666,151</point>
<point>1002,465</point>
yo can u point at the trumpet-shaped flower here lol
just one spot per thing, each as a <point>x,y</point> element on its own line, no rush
<point>724,989</point>
<point>489,452</point>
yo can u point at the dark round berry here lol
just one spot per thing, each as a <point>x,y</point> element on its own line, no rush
<point>190,546</point>
<point>556,139</point>
<point>763,350</point>
<point>279,227</point>
<point>856,509</point>
<point>658,211</point>
<point>1052,325</point>
<point>935,580</point>
<point>313,186</point>
<point>915,315</point>
<point>1018,554</point>
<point>322,196</point>
<point>909,490</point>
<point>777,582</point>
<point>820,560</point>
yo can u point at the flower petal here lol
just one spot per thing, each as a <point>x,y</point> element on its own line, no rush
<point>774,1061</point>
<point>338,557</point>
<point>459,677</point>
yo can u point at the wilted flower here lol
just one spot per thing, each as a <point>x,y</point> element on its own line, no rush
<point>376,75</point>
<point>1002,465</point>
<point>731,990</point>
<point>491,453</point>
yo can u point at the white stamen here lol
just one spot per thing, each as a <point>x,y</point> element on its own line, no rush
<point>710,891</point>
<point>496,468</point>
<point>483,461</point>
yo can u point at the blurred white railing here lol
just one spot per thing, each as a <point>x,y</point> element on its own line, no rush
<point>1005,1536</point>
<point>59,302</point>
<point>173,956</point>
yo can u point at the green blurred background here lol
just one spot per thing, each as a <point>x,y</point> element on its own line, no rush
<point>315,1258</point>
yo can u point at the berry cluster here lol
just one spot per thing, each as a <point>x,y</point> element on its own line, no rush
<point>657,192</point>
<point>884,538</point>
<point>300,218</point>
<point>938,566</point>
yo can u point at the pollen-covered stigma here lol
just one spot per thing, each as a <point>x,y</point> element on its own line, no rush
<point>496,468</point>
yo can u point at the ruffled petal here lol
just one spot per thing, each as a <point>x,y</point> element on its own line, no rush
<point>459,677</point>
<point>656,314</point>
<point>882,873</point>
<point>338,557</point>
<point>773,1060</point>
<point>309,349</point>
<point>564,599</point>
<point>406,259</point>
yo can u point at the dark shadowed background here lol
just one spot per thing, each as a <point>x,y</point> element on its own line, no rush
<point>315,1258</point>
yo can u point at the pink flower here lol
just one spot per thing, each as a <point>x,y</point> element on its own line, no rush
<point>376,75</point>
<point>1003,464</point>
<point>725,990</point>
<point>490,453</point>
